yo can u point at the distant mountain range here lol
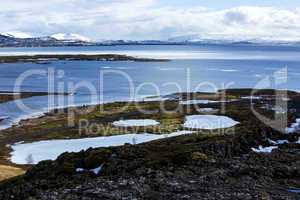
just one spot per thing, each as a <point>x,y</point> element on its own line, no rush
<point>7,40</point>
<point>62,39</point>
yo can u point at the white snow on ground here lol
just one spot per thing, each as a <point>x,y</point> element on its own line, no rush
<point>136,122</point>
<point>295,127</point>
<point>191,102</point>
<point>151,99</point>
<point>209,122</point>
<point>278,142</point>
<point>252,97</point>
<point>178,133</point>
<point>207,110</point>
<point>261,149</point>
<point>204,101</point>
<point>279,110</point>
<point>51,149</point>
<point>80,170</point>
<point>95,171</point>
<point>276,109</point>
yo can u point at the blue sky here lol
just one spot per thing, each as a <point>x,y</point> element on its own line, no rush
<point>153,19</point>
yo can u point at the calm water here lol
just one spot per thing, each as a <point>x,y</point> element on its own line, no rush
<point>193,68</point>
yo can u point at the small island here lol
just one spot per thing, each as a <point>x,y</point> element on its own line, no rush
<point>46,59</point>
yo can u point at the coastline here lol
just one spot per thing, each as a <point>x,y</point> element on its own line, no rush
<point>47,58</point>
<point>6,96</point>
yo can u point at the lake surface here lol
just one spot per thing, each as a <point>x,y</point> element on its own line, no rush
<point>192,68</point>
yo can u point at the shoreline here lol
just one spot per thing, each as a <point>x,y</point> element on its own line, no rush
<point>173,96</point>
<point>47,58</point>
<point>6,96</point>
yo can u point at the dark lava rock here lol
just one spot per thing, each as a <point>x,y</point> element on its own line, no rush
<point>187,167</point>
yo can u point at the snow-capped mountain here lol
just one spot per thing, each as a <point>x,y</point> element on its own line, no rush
<point>18,34</point>
<point>184,38</point>
<point>70,37</point>
<point>196,39</point>
<point>19,39</point>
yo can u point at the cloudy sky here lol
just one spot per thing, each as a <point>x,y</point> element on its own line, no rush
<point>154,19</point>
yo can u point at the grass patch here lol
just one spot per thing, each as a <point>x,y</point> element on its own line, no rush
<point>7,172</point>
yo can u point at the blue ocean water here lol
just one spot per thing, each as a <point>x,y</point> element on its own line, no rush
<point>192,68</point>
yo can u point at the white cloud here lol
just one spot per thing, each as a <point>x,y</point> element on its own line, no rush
<point>145,19</point>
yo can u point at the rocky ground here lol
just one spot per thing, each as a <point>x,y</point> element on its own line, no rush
<point>188,167</point>
<point>198,166</point>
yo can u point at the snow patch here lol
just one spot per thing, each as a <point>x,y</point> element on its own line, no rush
<point>279,110</point>
<point>135,122</point>
<point>278,142</point>
<point>207,110</point>
<point>96,171</point>
<point>51,149</point>
<point>178,133</point>
<point>295,127</point>
<point>209,122</point>
<point>276,109</point>
<point>191,102</point>
<point>252,97</point>
<point>204,101</point>
<point>80,170</point>
<point>261,149</point>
